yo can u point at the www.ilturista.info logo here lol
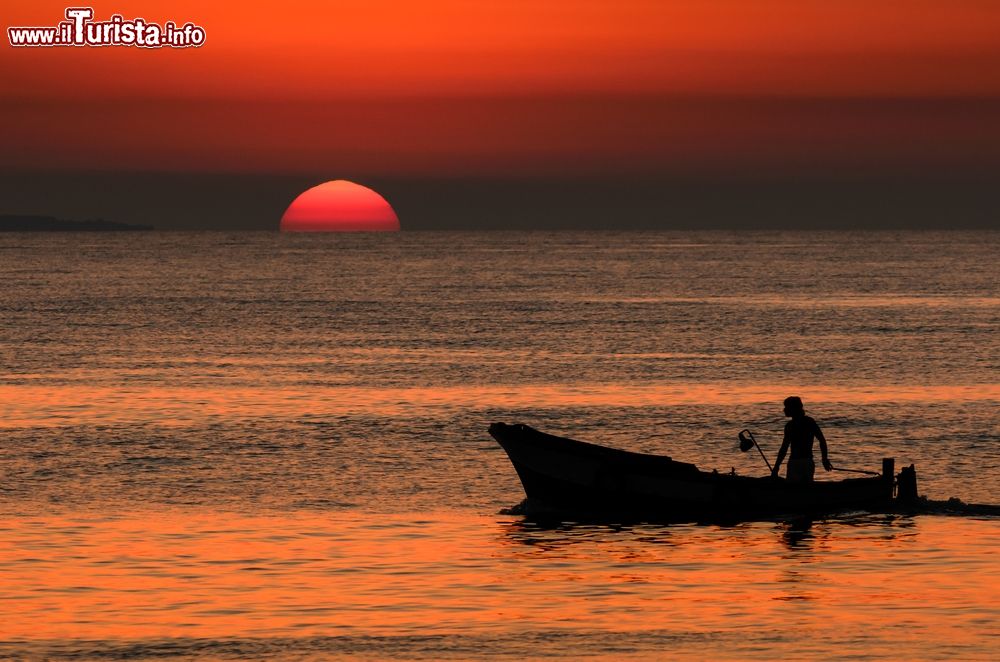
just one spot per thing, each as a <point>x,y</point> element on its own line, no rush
<point>80,30</point>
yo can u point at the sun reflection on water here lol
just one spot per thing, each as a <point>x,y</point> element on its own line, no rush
<point>852,582</point>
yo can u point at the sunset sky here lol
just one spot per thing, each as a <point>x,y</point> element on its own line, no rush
<point>447,107</point>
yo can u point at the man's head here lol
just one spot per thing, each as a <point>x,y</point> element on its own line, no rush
<point>793,406</point>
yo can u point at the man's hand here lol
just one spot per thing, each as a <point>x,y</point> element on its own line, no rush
<point>826,464</point>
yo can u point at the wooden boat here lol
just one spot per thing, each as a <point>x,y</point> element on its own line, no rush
<point>572,479</point>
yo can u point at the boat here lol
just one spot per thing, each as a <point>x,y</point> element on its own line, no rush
<point>569,479</point>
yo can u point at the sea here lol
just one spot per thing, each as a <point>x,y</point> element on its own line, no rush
<point>244,446</point>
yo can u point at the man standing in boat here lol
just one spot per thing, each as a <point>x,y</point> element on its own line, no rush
<point>799,435</point>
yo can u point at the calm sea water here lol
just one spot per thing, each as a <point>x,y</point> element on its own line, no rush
<point>265,446</point>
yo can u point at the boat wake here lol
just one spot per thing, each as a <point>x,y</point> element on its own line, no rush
<point>922,506</point>
<point>953,506</point>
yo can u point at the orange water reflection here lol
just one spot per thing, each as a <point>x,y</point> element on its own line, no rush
<point>874,584</point>
<point>52,405</point>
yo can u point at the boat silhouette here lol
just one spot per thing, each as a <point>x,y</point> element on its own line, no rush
<point>567,478</point>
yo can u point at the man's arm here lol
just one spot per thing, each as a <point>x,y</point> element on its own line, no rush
<point>822,448</point>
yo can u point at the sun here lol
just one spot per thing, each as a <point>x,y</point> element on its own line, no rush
<point>339,206</point>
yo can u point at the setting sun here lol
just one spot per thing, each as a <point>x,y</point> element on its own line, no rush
<point>339,206</point>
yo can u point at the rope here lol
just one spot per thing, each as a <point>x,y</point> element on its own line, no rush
<point>857,471</point>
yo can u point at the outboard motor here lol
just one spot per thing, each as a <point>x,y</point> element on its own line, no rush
<point>906,486</point>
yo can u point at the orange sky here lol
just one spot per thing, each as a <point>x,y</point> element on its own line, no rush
<point>332,49</point>
<point>458,86</point>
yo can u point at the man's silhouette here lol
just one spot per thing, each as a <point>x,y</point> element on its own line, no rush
<point>799,435</point>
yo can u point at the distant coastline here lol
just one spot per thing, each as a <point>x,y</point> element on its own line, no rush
<point>32,223</point>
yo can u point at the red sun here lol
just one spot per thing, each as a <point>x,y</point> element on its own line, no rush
<point>339,206</point>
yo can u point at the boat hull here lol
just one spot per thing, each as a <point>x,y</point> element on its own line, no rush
<point>572,479</point>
